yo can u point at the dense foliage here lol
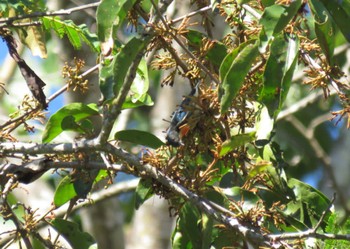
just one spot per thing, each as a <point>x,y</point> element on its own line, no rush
<point>222,170</point>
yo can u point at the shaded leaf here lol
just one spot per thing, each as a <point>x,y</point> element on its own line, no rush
<point>76,185</point>
<point>309,205</point>
<point>178,239</point>
<point>72,233</point>
<point>188,225</point>
<point>143,192</point>
<point>76,111</point>
<point>235,142</point>
<point>110,15</point>
<point>340,12</point>
<point>274,20</point>
<point>324,29</point>
<point>124,59</point>
<point>139,137</point>
<point>279,72</point>
<point>83,181</point>
<point>215,54</point>
<point>238,194</point>
<point>233,71</point>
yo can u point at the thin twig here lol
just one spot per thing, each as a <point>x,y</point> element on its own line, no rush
<point>325,212</point>
<point>148,170</point>
<point>111,114</point>
<point>48,100</point>
<point>297,106</point>
<point>200,64</point>
<point>64,12</point>
<point>196,12</point>
<point>25,24</point>
<point>111,191</point>
<point>321,155</point>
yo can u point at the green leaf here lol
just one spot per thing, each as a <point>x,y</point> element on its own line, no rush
<point>238,194</point>
<point>124,59</point>
<point>138,95</point>
<point>233,71</point>
<point>112,75</point>
<point>274,19</point>
<point>110,15</point>
<point>139,137</point>
<point>215,54</point>
<point>72,233</point>
<point>140,85</point>
<point>143,192</point>
<point>207,231</point>
<point>69,124</point>
<point>77,185</point>
<point>217,197</point>
<point>324,28</point>
<point>178,239</point>
<point>263,123</point>
<point>334,227</point>
<point>83,181</point>
<point>74,32</point>
<point>340,12</point>
<point>188,224</point>
<point>146,100</point>
<point>76,111</point>
<point>309,205</point>
<point>65,191</point>
<point>279,71</point>
<point>235,142</point>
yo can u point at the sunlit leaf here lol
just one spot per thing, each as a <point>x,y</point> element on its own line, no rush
<point>233,71</point>
<point>110,15</point>
<point>74,32</point>
<point>113,75</point>
<point>263,123</point>
<point>65,192</point>
<point>76,111</point>
<point>139,137</point>
<point>146,100</point>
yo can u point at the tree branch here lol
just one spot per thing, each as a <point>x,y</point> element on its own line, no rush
<point>22,117</point>
<point>111,191</point>
<point>64,12</point>
<point>110,115</point>
<point>308,133</point>
<point>145,170</point>
<point>200,64</point>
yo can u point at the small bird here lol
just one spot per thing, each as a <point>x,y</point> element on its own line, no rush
<point>178,127</point>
